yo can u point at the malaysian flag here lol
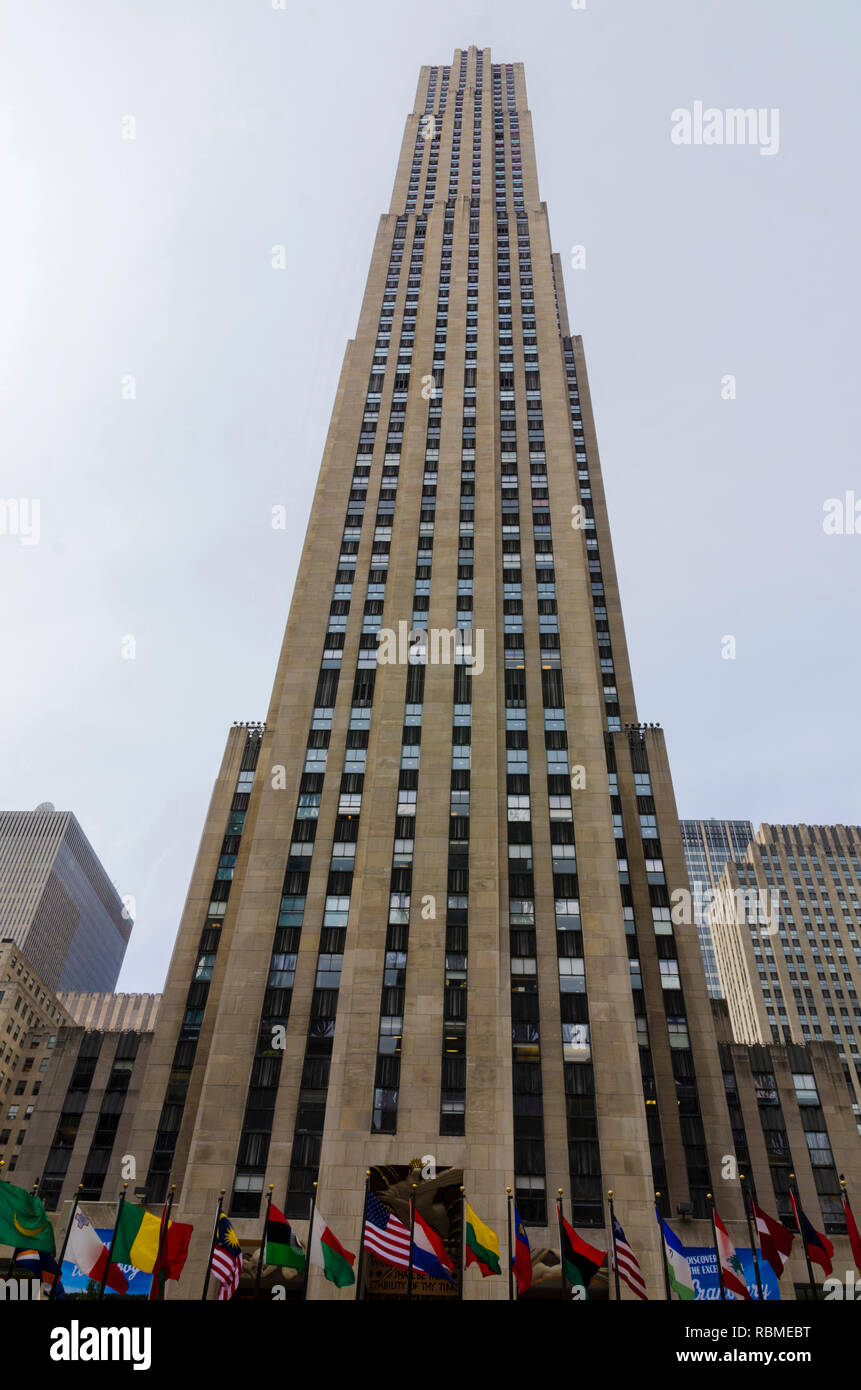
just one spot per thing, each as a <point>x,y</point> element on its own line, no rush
<point>226,1259</point>
<point>626,1262</point>
<point>386,1236</point>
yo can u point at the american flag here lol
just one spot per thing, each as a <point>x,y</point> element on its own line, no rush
<point>626,1261</point>
<point>226,1259</point>
<point>385,1235</point>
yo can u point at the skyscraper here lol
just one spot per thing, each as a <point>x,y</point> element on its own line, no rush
<point>430,916</point>
<point>708,844</point>
<point>31,1017</point>
<point>89,1085</point>
<point>786,923</point>
<point>57,903</point>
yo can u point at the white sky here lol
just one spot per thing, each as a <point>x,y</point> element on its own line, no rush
<point>151,257</point>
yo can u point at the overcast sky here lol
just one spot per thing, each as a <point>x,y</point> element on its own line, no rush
<point>150,258</point>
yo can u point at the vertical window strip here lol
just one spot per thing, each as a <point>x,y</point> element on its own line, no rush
<point>170,1120</point>
<point>687,1094</point>
<point>266,1068</point>
<point>387,1073</point>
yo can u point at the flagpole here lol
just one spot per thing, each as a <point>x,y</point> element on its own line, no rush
<point>107,1269</point>
<point>510,1252</point>
<point>561,1243</point>
<point>165,1222</point>
<point>310,1239</point>
<point>412,1235</point>
<point>462,1270</point>
<point>711,1202</point>
<point>850,1221</point>
<point>796,1211</point>
<point>745,1196</point>
<point>613,1239</point>
<point>59,1275</point>
<point>262,1251</point>
<point>170,1202</point>
<point>361,1268</point>
<point>212,1245</point>
<point>668,1293</point>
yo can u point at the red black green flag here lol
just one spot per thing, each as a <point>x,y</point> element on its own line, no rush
<point>579,1260</point>
<point>282,1247</point>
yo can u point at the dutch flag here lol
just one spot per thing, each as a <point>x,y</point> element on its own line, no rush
<point>429,1254</point>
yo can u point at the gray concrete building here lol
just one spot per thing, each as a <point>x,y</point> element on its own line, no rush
<point>80,1130</point>
<point>57,903</point>
<point>786,924</point>
<point>31,1018</point>
<point>708,844</point>
<point>429,922</point>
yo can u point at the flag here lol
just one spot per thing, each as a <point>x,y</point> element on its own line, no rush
<point>775,1240</point>
<point>678,1269</point>
<point>386,1236</point>
<point>23,1220</point>
<point>626,1262</point>
<point>852,1232</point>
<point>327,1252</point>
<point>226,1262</point>
<point>44,1265</point>
<point>282,1247</point>
<point>429,1254</point>
<point>86,1249</point>
<point>579,1259</point>
<point>159,1272</point>
<point>522,1257</point>
<point>481,1244</point>
<point>174,1240</point>
<point>819,1247</point>
<point>137,1241</point>
<point>730,1264</point>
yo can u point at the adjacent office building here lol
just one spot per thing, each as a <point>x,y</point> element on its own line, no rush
<point>82,1123</point>
<point>31,1017</point>
<point>708,844</point>
<point>791,1120</point>
<point>786,924</point>
<point>57,903</point>
<point>429,922</point>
